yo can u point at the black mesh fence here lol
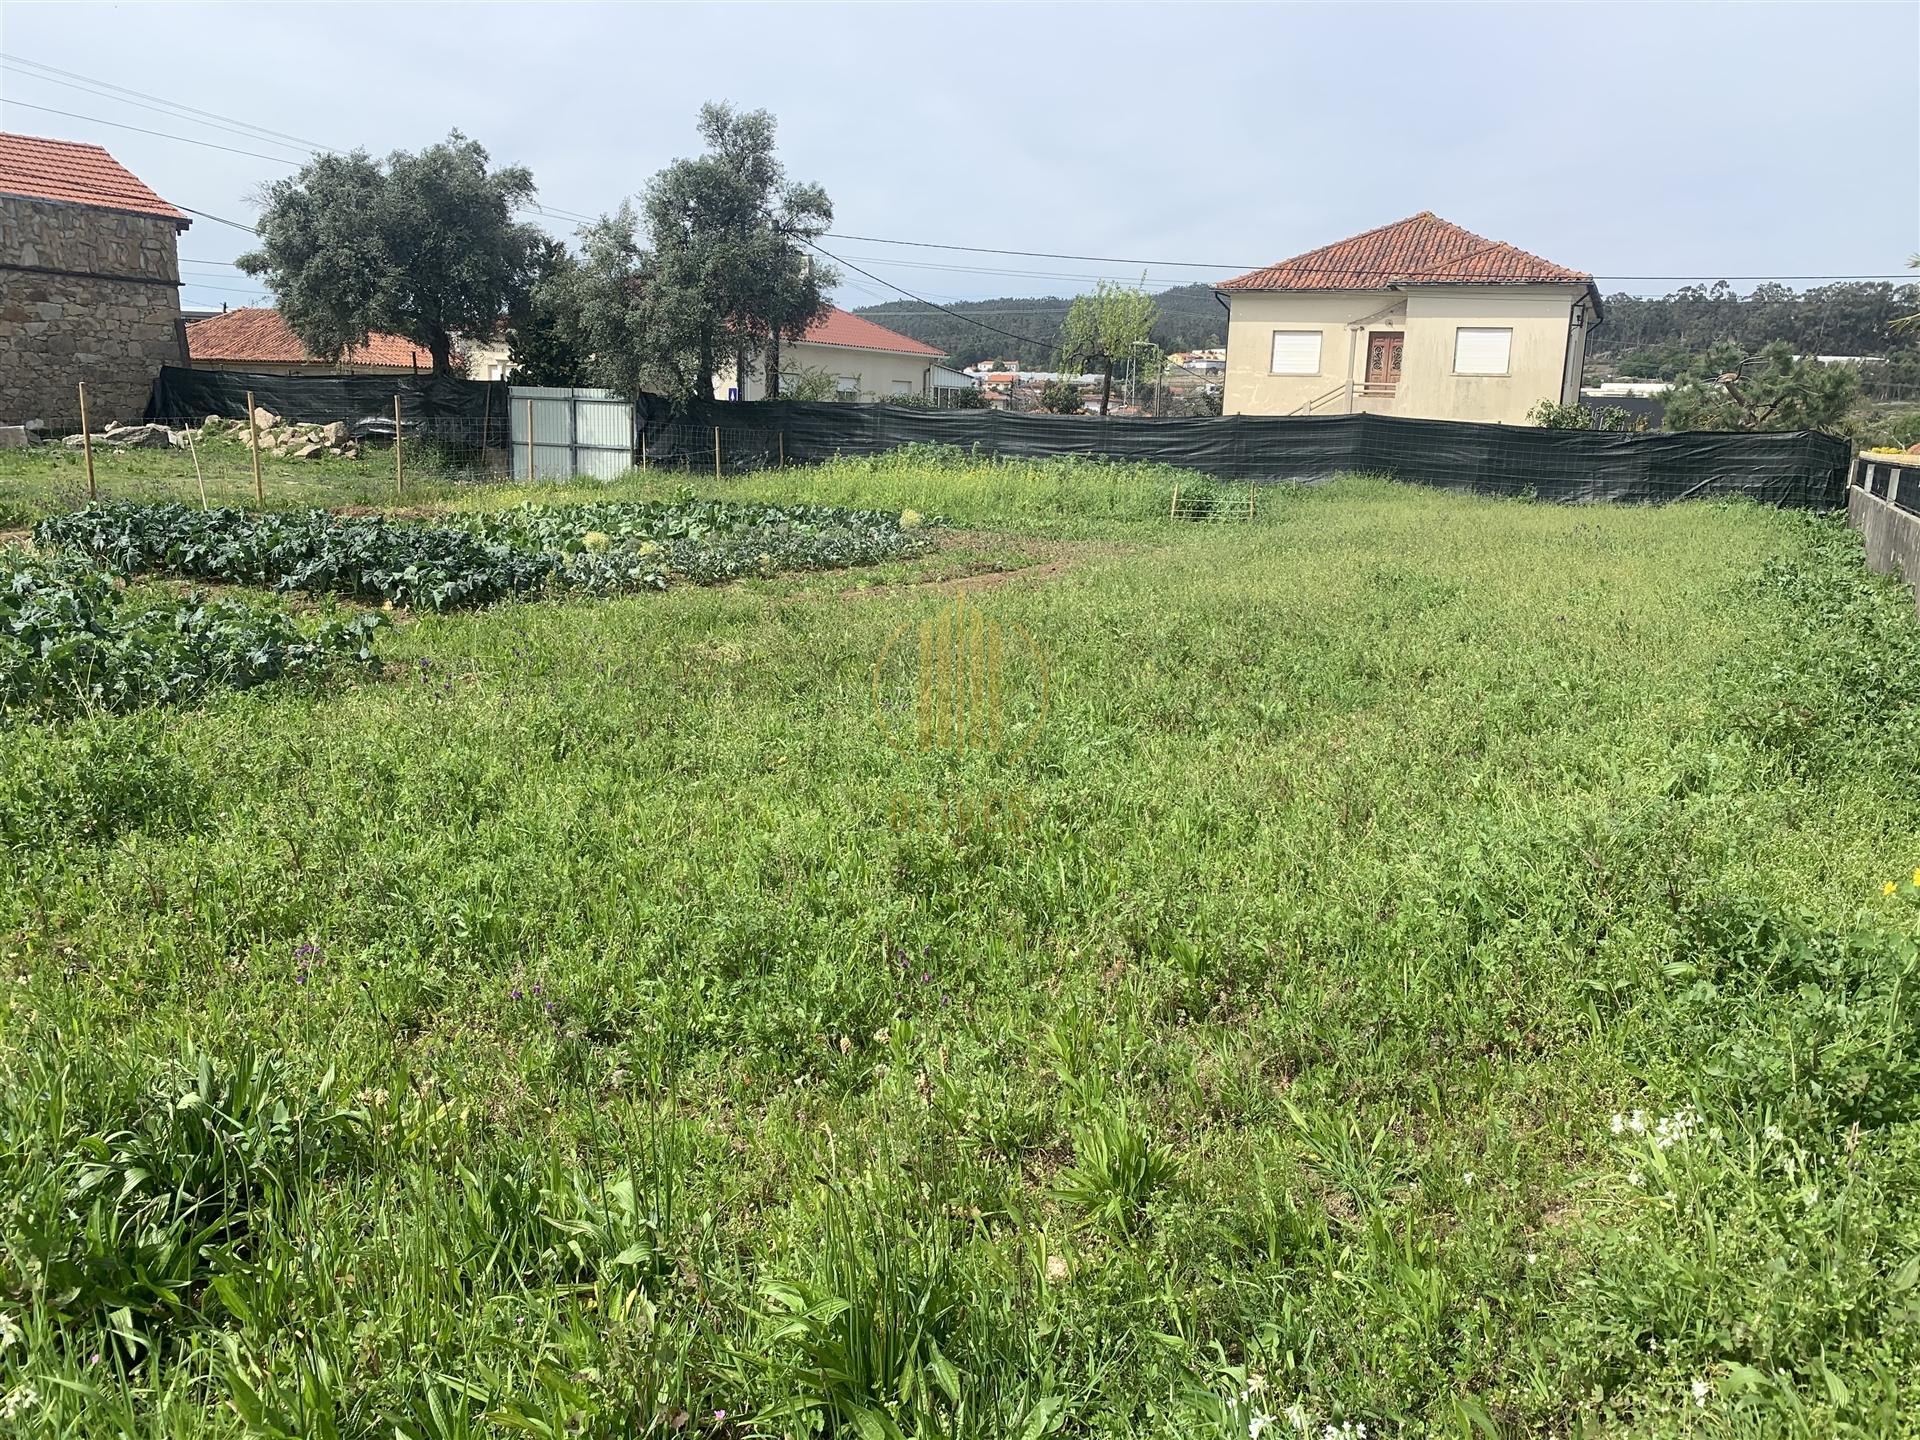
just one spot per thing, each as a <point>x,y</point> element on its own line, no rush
<point>463,428</point>
<point>475,410</point>
<point>1894,478</point>
<point>1798,468</point>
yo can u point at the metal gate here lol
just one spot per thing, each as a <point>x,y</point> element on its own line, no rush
<point>572,432</point>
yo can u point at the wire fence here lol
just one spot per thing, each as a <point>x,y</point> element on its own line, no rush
<point>266,461</point>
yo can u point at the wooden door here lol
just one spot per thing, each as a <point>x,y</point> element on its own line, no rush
<point>1383,357</point>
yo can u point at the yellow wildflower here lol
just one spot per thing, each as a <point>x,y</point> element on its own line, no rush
<point>1887,889</point>
<point>1916,878</point>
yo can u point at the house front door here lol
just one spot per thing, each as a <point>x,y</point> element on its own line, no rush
<point>1383,357</point>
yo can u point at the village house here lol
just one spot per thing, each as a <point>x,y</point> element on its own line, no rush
<point>259,340</point>
<point>89,283</point>
<point>865,361</point>
<point>1419,318</point>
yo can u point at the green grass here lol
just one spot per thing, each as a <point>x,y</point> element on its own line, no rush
<point>556,1034</point>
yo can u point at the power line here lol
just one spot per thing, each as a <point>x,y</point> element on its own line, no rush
<point>142,130</point>
<point>995,329</point>
<point>218,218</point>
<point>1343,269</point>
<point>244,132</point>
<point>73,75</point>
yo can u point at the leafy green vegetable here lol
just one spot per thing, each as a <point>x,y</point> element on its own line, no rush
<point>478,559</point>
<point>72,639</point>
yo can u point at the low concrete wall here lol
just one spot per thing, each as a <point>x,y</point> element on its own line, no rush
<point>1892,535</point>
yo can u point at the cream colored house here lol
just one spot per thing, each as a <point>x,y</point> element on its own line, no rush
<point>1419,318</point>
<point>865,361</point>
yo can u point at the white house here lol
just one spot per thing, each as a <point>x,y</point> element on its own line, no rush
<point>865,361</point>
<point>1417,318</point>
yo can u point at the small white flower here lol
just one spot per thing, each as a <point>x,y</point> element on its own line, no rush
<point>1619,1122</point>
<point>1256,1424</point>
<point>14,1401</point>
<point>1296,1416</point>
<point>1467,1179</point>
<point>1532,1258</point>
<point>1701,1390</point>
<point>1635,1178</point>
<point>1637,1122</point>
<point>1773,1133</point>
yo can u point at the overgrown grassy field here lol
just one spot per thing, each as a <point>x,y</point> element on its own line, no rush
<point>1443,980</point>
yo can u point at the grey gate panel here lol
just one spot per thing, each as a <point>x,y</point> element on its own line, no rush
<point>575,432</point>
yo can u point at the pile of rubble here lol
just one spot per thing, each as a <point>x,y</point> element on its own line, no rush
<point>288,438</point>
<point>285,438</point>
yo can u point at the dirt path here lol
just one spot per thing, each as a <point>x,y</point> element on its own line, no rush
<point>1044,559</point>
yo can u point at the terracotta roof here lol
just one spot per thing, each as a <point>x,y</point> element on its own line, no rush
<point>76,174</point>
<point>1421,250</point>
<point>856,332</point>
<point>262,337</point>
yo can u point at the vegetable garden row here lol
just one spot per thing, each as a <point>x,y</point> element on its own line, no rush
<point>75,636</point>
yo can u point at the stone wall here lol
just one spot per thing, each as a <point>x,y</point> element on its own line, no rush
<point>89,295</point>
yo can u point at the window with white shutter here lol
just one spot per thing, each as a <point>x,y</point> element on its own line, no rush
<point>1296,352</point>
<point>1482,351</point>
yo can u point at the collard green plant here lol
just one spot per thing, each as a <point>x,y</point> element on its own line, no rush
<point>476,560</point>
<point>73,639</point>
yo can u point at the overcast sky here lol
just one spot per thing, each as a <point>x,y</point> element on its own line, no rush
<point>1633,141</point>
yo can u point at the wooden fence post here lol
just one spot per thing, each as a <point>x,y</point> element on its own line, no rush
<point>1173,510</point>
<point>86,443</point>
<point>396,448</point>
<point>716,454</point>
<point>198,478</point>
<point>782,439</point>
<point>253,432</point>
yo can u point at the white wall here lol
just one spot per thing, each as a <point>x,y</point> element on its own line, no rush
<point>1538,367</point>
<point>873,374</point>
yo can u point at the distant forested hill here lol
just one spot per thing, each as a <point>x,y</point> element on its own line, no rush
<point>1655,336</point>
<point>1190,319</point>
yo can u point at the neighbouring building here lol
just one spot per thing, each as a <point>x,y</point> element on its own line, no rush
<point>1418,318</point>
<point>89,283</point>
<point>949,385</point>
<point>488,359</point>
<point>865,362</point>
<point>260,341</point>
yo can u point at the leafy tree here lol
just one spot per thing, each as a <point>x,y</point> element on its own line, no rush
<point>1772,390</point>
<point>1103,328</point>
<point>1843,318</point>
<point>1062,397</point>
<point>723,273</point>
<point>424,246</point>
<point>543,324</point>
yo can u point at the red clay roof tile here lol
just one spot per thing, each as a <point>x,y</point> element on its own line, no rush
<point>856,332</point>
<point>76,174</point>
<point>1420,250</point>
<point>260,336</point>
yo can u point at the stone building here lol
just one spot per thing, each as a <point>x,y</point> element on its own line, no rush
<point>89,284</point>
